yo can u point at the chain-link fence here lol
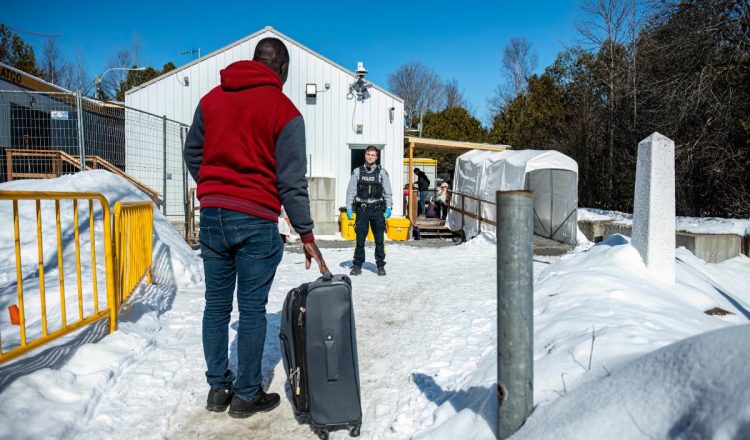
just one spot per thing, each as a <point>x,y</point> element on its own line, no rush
<point>48,134</point>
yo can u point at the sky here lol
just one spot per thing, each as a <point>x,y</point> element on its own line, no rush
<point>617,352</point>
<point>458,40</point>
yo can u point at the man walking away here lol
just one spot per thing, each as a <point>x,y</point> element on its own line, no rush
<point>246,150</point>
<point>369,195</point>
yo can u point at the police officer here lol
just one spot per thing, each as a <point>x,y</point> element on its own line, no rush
<point>370,196</point>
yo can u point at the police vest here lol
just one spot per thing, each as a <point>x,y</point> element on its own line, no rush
<point>369,185</point>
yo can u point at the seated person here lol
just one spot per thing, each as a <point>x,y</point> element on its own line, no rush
<point>441,200</point>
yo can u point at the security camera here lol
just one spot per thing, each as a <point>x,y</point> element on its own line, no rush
<point>361,71</point>
<point>359,87</point>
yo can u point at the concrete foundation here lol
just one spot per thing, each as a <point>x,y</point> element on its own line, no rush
<point>323,204</point>
<point>594,230</point>
<point>618,228</point>
<point>712,248</point>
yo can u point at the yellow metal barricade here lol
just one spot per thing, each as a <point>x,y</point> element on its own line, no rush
<point>83,317</point>
<point>134,226</point>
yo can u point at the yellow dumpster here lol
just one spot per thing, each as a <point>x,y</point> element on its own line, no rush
<point>347,227</point>
<point>397,228</point>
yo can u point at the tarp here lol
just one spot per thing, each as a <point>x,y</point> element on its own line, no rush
<point>551,175</point>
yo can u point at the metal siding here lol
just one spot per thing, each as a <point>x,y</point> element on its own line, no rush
<point>320,138</point>
<point>328,121</point>
<point>316,122</point>
<point>325,132</point>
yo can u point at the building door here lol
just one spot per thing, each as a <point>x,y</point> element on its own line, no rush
<point>357,152</point>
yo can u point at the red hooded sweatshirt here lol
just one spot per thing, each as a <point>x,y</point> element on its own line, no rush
<point>246,148</point>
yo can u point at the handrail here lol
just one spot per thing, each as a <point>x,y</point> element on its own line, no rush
<point>96,160</point>
<point>464,213</point>
<point>59,156</point>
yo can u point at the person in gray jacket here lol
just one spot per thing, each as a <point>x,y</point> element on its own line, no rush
<point>369,196</point>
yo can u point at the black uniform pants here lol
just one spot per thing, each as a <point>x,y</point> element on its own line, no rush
<point>369,217</point>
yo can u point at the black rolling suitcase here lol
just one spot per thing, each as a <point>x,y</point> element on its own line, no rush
<point>319,350</point>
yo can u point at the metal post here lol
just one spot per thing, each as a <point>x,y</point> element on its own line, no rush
<point>81,137</point>
<point>185,200</point>
<point>515,336</point>
<point>410,177</point>
<point>164,166</point>
<point>479,217</point>
<point>462,212</point>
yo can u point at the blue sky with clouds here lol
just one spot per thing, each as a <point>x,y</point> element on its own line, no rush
<point>461,40</point>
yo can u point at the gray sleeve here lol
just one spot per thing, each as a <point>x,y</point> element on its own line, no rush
<point>193,152</point>
<point>291,166</point>
<point>351,191</point>
<point>387,191</point>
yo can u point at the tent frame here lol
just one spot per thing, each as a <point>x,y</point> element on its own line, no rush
<point>440,145</point>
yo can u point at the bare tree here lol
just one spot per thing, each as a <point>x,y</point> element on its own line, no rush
<point>120,60</point>
<point>454,97</point>
<point>123,59</point>
<point>605,21</point>
<point>420,87</point>
<point>53,66</point>
<point>604,27</point>
<point>77,78</point>
<point>136,45</point>
<point>700,95</point>
<point>518,64</point>
<point>633,26</point>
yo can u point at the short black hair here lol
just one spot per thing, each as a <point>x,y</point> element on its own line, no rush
<point>417,170</point>
<point>372,148</point>
<point>272,52</point>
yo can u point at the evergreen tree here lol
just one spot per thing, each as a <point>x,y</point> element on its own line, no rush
<point>138,77</point>
<point>453,123</point>
<point>534,119</point>
<point>15,52</point>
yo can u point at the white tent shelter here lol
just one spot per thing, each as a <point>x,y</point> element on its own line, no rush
<point>550,175</point>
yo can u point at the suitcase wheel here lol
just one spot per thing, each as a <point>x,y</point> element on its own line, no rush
<point>354,431</point>
<point>321,433</point>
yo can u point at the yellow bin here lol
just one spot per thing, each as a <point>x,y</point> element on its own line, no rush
<point>347,227</point>
<point>397,228</point>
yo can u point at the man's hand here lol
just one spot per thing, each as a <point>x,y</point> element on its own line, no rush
<point>312,251</point>
<point>387,212</point>
<point>349,213</point>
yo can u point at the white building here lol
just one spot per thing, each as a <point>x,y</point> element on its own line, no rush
<point>338,124</point>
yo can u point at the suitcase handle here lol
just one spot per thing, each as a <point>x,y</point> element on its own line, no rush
<point>332,365</point>
<point>327,276</point>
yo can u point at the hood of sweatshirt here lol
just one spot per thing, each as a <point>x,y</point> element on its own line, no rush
<point>243,75</point>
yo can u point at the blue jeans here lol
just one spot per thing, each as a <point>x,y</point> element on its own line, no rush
<point>422,199</point>
<point>243,251</point>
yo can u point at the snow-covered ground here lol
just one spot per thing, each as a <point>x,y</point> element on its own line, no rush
<point>617,353</point>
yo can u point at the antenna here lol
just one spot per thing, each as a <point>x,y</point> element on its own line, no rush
<point>36,34</point>
<point>191,52</point>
